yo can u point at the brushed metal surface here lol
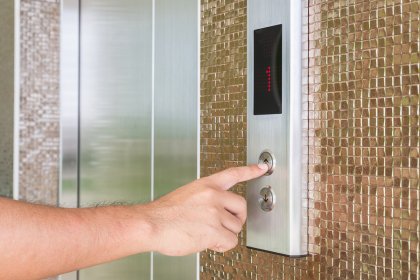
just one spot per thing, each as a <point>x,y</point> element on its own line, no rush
<point>69,107</point>
<point>175,113</point>
<point>278,230</point>
<point>116,102</point>
<point>69,101</point>
<point>116,90</point>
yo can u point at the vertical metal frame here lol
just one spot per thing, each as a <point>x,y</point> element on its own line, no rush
<point>16,109</point>
<point>280,230</point>
<point>69,109</point>
<point>152,143</point>
<point>198,110</point>
<point>176,113</point>
<point>298,246</point>
<point>69,103</point>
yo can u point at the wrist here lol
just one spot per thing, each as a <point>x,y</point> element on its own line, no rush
<point>145,228</point>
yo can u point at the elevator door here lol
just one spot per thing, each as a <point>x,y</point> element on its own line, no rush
<point>134,136</point>
<point>115,114</point>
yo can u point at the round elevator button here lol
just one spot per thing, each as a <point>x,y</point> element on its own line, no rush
<point>267,157</point>
<point>267,199</point>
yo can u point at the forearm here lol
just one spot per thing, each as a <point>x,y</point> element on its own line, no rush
<point>38,241</point>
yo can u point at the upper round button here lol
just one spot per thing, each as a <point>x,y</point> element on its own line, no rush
<point>267,157</point>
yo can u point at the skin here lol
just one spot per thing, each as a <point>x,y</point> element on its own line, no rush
<point>38,241</point>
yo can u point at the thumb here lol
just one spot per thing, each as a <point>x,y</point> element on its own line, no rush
<point>229,177</point>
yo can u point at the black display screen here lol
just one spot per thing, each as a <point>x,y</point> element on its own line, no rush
<point>267,71</point>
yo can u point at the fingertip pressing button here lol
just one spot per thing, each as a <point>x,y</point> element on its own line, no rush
<point>266,157</point>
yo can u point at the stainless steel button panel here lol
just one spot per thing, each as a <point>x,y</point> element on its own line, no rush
<point>267,199</point>
<point>276,221</point>
<point>267,157</point>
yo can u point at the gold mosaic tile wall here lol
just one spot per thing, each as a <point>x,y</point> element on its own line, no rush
<point>39,101</point>
<point>363,137</point>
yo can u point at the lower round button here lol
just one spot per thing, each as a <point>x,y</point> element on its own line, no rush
<point>267,199</point>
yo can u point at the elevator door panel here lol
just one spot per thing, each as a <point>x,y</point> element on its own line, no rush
<point>176,113</point>
<point>115,113</point>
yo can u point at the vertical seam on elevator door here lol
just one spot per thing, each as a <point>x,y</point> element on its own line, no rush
<point>198,112</point>
<point>78,108</point>
<point>152,142</point>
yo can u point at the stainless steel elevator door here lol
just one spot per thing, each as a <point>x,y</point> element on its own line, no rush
<point>138,112</point>
<point>176,113</point>
<point>115,114</point>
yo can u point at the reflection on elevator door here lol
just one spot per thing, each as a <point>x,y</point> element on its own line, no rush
<point>127,48</point>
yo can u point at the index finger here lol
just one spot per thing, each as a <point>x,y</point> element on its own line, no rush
<point>229,177</point>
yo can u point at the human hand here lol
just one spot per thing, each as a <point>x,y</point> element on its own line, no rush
<point>197,216</point>
<point>202,214</point>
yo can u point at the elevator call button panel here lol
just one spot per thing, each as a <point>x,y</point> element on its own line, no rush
<point>276,222</point>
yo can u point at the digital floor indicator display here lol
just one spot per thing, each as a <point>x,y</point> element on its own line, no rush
<point>267,70</point>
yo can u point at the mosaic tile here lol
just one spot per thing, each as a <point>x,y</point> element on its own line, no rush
<point>362,134</point>
<point>39,101</point>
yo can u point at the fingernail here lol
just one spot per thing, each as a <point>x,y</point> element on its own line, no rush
<point>262,166</point>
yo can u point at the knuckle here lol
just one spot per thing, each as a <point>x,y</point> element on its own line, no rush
<point>218,249</point>
<point>242,208</point>
<point>209,193</point>
<point>213,211</point>
<point>242,202</point>
<point>233,242</point>
<point>238,227</point>
<point>245,215</point>
<point>228,242</point>
<point>222,249</point>
<point>205,181</point>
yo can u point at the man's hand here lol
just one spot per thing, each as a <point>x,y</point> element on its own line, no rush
<point>202,214</point>
<point>38,241</point>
